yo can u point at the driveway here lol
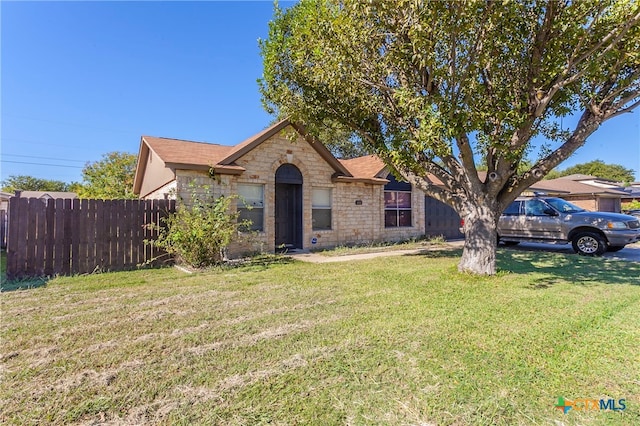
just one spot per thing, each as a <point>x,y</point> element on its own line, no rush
<point>630,253</point>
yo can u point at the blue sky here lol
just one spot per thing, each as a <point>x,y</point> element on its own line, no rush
<point>80,79</point>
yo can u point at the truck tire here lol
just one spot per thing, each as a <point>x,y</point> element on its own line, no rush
<point>589,244</point>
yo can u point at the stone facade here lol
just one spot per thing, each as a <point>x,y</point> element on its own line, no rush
<point>357,208</point>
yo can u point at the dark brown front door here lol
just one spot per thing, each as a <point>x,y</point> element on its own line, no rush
<point>288,216</point>
<point>288,205</point>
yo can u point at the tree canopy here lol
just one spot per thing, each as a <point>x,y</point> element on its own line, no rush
<point>30,183</point>
<point>109,178</point>
<point>599,168</point>
<point>430,86</point>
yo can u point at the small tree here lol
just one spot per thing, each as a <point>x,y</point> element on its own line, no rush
<point>200,230</point>
<point>110,178</point>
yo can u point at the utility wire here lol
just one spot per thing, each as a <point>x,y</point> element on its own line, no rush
<point>42,158</point>
<point>41,164</point>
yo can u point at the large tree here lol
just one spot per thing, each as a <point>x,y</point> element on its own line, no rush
<point>109,178</point>
<point>30,183</point>
<point>430,86</point>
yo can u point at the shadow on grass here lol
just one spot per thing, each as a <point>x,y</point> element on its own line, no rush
<point>438,253</point>
<point>22,284</point>
<point>555,267</point>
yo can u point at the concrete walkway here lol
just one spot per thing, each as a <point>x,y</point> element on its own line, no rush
<point>318,258</point>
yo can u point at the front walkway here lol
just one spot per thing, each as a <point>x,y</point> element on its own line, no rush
<point>318,258</point>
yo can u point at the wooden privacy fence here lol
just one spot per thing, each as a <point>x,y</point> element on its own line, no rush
<point>65,237</point>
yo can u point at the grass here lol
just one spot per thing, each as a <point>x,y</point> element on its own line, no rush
<point>398,340</point>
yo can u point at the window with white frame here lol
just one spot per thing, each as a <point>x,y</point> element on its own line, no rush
<point>251,205</point>
<point>397,203</point>
<point>321,209</point>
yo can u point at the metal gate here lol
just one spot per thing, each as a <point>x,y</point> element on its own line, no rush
<point>440,219</point>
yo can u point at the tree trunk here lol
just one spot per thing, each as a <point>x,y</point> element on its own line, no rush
<point>480,231</point>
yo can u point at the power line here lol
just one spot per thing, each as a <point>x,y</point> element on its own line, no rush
<point>43,158</point>
<point>41,164</point>
<point>42,143</point>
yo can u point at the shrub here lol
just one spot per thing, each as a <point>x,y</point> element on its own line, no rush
<point>199,232</point>
<point>631,205</point>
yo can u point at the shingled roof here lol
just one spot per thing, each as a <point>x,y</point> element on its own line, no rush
<point>177,151</point>
<point>190,155</point>
<point>366,167</point>
<point>568,186</point>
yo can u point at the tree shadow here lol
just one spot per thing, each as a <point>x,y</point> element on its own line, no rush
<point>558,266</point>
<point>22,284</point>
<point>562,267</point>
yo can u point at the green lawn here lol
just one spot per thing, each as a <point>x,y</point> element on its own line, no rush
<point>390,341</point>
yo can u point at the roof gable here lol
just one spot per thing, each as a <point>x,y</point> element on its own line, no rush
<point>257,139</point>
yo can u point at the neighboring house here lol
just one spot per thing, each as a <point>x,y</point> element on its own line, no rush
<point>588,192</point>
<point>46,195</point>
<point>632,192</point>
<point>301,195</point>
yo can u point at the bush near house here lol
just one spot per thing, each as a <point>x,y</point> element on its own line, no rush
<point>200,230</point>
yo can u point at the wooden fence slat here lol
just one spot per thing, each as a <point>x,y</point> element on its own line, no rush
<point>59,247</point>
<point>16,249</point>
<point>74,213</point>
<point>91,225</point>
<point>136,223</point>
<point>67,237</point>
<point>106,235</point>
<point>37,236</point>
<point>117,227</point>
<point>81,221</point>
<point>126,234</point>
<point>148,232</point>
<point>49,238</point>
<point>31,234</point>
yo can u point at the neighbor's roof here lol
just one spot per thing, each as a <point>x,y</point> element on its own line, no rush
<point>572,187</point>
<point>48,194</point>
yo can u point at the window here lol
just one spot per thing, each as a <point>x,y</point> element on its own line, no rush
<point>321,208</point>
<point>397,203</point>
<point>535,207</point>
<point>251,205</point>
<point>513,209</point>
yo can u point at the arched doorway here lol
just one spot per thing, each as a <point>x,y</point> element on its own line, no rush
<point>288,207</point>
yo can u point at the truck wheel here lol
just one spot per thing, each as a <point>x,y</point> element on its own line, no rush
<point>589,244</point>
<point>614,248</point>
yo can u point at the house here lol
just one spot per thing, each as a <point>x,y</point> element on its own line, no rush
<point>300,195</point>
<point>588,192</point>
<point>46,195</point>
<point>632,192</point>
